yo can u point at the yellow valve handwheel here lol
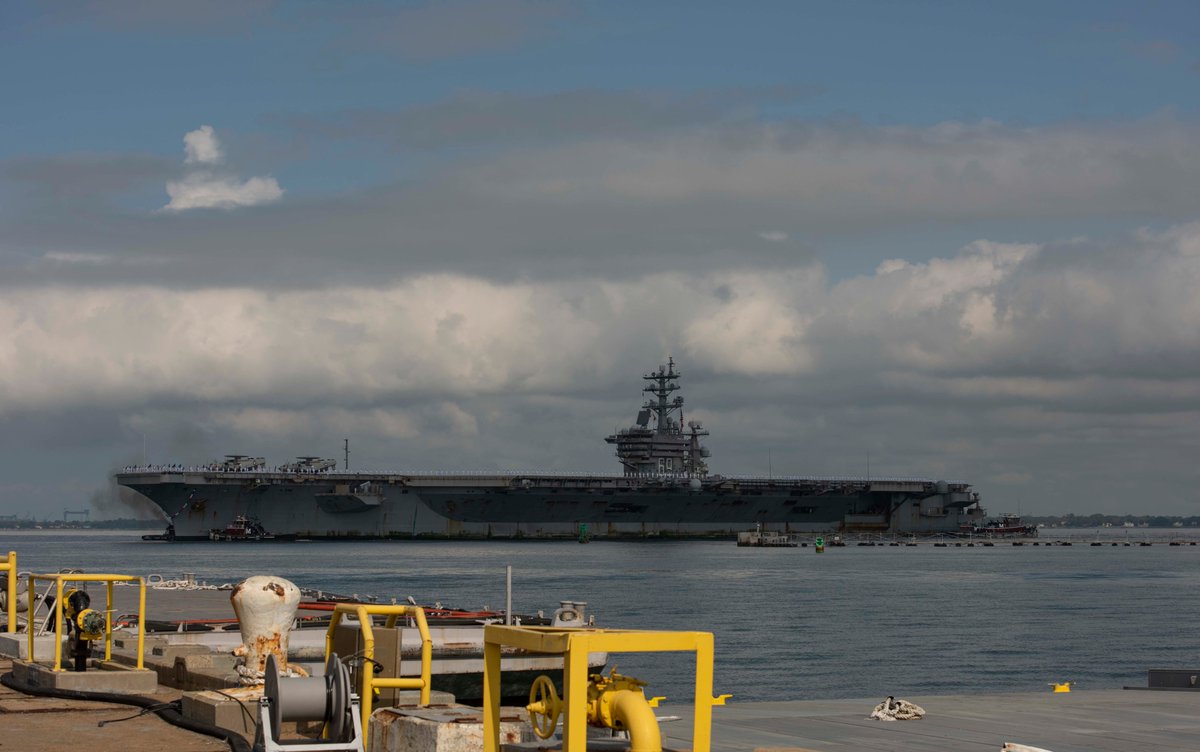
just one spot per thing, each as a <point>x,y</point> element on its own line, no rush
<point>544,707</point>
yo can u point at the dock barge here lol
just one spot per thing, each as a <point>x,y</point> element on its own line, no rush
<point>1059,721</point>
<point>1082,721</point>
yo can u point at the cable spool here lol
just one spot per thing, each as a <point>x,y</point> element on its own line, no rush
<point>319,698</point>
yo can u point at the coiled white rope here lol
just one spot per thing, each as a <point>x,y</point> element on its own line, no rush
<point>892,709</point>
<point>157,582</point>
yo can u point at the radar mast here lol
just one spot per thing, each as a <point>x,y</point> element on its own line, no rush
<point>665,449</point>
<point>660,388</point>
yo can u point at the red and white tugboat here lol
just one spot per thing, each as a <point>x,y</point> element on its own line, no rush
<point>1005,526</point>
<point>241,529</point>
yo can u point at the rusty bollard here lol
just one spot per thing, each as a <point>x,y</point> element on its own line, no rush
<point>266,608</point>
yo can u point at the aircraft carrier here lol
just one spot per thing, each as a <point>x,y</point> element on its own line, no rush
<point>665,490</point>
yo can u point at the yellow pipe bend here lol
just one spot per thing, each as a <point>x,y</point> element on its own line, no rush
<point>635,714</point>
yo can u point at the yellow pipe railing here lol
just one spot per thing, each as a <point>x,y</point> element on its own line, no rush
<point>364,612</point>
<point>8,565</point>
<point>108,579</point>
<point>574,644</point>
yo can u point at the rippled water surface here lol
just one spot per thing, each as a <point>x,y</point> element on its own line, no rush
<point>789,624</point>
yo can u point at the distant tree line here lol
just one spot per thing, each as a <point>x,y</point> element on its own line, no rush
<point>1115,520</point>
<point>124,523</point>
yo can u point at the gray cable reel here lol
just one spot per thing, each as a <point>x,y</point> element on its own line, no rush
<point>327,699</point>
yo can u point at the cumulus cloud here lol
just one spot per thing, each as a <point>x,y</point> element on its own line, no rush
<point>66,257</point>
<point>202,188</point>
<point>623,206</point>
<point>206,191</point>
<point>68,185</point>
<point>1050,370</point>
<point>851,173</point>
<point>490,118</point>
<point>994,318</point>
<point>201,146</point>
<point>452,333</point>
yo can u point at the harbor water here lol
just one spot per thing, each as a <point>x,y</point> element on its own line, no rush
<point>790,624</point>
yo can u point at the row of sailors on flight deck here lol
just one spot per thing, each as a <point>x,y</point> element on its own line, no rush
<point>217,467</point>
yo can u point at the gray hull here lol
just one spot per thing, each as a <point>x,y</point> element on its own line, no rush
<point>375,505</point>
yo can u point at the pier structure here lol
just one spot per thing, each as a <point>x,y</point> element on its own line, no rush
<point>1091,720</point>
<point>1108,720</point>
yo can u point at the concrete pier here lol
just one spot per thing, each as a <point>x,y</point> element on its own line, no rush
<point>48,724</point>
<point>1081,721</point>
<point>1091,721</point>
<point>101,676</point>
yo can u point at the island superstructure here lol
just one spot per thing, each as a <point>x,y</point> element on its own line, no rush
<point>665,490</point>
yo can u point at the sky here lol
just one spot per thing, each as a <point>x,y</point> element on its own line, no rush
<point>952,240</point>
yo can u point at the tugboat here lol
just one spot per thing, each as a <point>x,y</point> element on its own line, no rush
<point>168,535</point>
<point>241,529</point>
<point>1006,526</point>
